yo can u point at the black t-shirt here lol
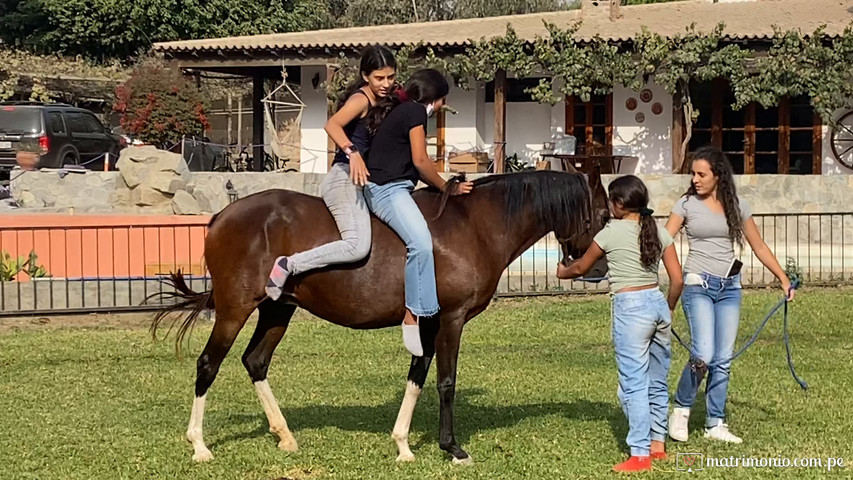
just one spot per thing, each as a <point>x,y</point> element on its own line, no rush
<point>390,156</point>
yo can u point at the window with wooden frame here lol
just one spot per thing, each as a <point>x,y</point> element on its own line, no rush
<point>591,123</point>
<point>782,139</point>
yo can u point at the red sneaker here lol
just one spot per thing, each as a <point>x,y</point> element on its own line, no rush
<point>634,464</point>
<point>658,450</point>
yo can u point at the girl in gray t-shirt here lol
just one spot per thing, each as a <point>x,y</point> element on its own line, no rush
<point>714,220</point>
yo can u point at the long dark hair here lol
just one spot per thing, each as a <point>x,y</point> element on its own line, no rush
<point>631,193</point>
<point>726,190</point>
<point>424,86</point>
<point>374,57</point>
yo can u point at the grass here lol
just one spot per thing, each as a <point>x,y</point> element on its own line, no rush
<point>536,398</point>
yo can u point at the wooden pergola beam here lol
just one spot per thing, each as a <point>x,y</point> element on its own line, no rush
<point>500,120</point>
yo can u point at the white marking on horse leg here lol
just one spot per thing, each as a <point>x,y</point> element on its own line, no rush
<point>278,425</point>
<point>404,422</point>
<point>194,431</point>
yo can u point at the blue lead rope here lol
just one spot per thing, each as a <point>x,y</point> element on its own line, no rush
<point>698,365</point>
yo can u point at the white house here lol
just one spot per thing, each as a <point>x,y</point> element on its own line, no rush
<point>788,138</point>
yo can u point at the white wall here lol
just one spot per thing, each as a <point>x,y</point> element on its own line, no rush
<point>312,155</point>
<point>461,130</point>
<point>651,140</point>
<point>528,126</point>
<point>831,166</point>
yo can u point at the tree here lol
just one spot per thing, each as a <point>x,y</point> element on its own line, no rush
<point>120,29</point>
<point>159,105</point>
<point>494,8</point>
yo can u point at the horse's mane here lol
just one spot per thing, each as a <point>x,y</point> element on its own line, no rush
<point>555,197</point>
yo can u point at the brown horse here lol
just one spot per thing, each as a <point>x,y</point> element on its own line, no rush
<point>475,238</point>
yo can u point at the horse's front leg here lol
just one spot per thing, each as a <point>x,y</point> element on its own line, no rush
<point>447,350</point>
<point>414,387</point>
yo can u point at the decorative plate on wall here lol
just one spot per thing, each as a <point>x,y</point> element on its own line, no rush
<point>631,104</point>
<point>646,95</point>
<point>639,117</point>
<point>657,108</point>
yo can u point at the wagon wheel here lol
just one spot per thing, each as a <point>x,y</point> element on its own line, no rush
<point>841,140</point>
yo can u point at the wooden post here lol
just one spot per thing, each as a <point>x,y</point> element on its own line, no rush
<point>817,145</point>
<point>240,122</point>
<point>783,150</point>
<point>749,132</point>
<point>230,119</point>
<point>677,134</point>
<point>258,122</point>
<point>330,110</point>
<point>500,120</point>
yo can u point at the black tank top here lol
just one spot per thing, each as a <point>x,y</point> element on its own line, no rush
<point>359,135</point>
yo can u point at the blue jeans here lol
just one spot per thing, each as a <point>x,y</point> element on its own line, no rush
<point>713,313</point>
<point>394,205</point>
<point>641,339</point>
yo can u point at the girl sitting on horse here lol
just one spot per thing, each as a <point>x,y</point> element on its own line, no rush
<point>342,189</point>
<point>398,160</point>
<point>642,318</point>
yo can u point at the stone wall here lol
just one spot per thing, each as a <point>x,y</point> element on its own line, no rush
<point>96,192</point>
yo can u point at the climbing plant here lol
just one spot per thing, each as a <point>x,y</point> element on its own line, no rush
<point>797,63</point>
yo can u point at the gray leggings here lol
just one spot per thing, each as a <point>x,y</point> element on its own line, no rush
<point>346,202</point>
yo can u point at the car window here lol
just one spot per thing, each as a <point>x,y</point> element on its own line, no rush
<point>20,120</point>
<point>75,122</point>
<point>92,124</point>
<point>57,125</point>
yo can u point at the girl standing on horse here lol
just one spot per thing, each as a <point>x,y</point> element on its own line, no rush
<point>714,218</point>
<point>342,189</point>
<point>642,318</point>
<point>398,160</point>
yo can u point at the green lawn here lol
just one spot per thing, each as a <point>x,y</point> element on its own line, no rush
<point>536,399</point>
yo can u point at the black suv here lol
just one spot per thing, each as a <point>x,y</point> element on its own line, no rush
<point>61,134</point>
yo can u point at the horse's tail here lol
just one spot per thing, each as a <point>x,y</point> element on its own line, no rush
<point>197,302</point>
<point>448,189</point>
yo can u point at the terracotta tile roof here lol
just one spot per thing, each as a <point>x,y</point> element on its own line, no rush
<point>744,19</point>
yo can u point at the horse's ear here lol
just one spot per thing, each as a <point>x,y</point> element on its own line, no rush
<point>569,167</point>
<point>594,179</point>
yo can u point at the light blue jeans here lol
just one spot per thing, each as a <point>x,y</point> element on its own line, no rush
<point>345,201</point>
<point>641,338</point>
<point>393,204</point>
<point>713,313</point>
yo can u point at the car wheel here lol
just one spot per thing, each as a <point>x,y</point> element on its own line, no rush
<point>68,159</point>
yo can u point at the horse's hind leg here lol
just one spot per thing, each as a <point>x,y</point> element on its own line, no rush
<point>229,321</point>
<point>414,387</point>
<point>273,319</point>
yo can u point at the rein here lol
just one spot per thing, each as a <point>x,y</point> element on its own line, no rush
<point>698,365</point>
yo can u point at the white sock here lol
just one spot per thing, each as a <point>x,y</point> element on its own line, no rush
<point>412,339</point>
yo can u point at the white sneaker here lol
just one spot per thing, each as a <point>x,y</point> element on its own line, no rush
<point>678,424</point>
<point>721,432</point>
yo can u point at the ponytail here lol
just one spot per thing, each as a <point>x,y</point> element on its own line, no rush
<point>631,193</point>
<point>650,246</point>
<point>377,113</point>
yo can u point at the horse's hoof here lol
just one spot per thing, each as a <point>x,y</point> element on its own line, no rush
<point>288,446</point>
<point>203,456</point>
<point>467,461</point>
<point>406,457</point>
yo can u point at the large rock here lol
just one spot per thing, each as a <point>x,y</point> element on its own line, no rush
<point>151,178</point>
<point>184,204</point>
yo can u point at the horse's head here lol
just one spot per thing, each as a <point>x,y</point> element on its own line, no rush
<point>595,217</point>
